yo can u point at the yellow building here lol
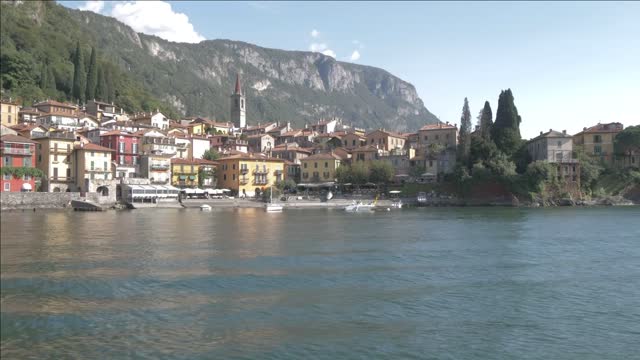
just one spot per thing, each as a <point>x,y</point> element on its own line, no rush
<point>248,174</point>
<point>320,167</point>
<point>385,140</point>
<point>90,162</point>
<point>442,134</point>
<point>55,160</point>
<point>598,140</point>
<point>9,112</point>
<point>184,173</point>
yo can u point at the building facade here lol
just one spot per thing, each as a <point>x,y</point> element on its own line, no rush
<point>90,162</point>
<point>17,152</point>
<point>320,168</point>
<point>249,174</point>
<point>56,161</point>
<point>552,146</point>
<point>597,140</point>
<point>9,111</point>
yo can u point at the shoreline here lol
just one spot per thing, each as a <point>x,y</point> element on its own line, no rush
<point>334,203</point>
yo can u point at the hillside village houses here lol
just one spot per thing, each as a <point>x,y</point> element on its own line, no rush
<point>90,148</point>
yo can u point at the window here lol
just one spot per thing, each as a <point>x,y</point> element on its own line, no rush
<point>447,136</point>
<point>426,138</point>
<point>326,164</point>
<point>597,149</point>
<point>353,143</point>
<point>597,139</point>
<point>106,176</point>
<point>9,109</point>
<point>224,177</point>
<point>6,177</point>
<point>9,116</point>
<point>134,148</point>
<point>121,144</point>
<point>372,140</point>
<point>234,177</point>
<point>7,161</point>
<point>559,143</point>
<point>430,163</point>
<point>315,165</point>
<point>121,159</point>
<point>437,136</point>
<point>105,167</point>
<point>93,154</point>
<point>305,165</point>
<point>7,186</point>
<point>92,166</point>
<point>55,173</point>
<point>233,166</point>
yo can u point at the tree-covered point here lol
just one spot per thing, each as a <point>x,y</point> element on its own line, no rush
<point>627,141</point>
<point>45,54</point>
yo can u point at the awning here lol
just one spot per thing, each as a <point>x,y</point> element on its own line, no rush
<point>183,177</point>
<point>26,186</point>
<point>192,177</point>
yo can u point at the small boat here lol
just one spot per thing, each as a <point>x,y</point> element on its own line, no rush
<point>271,206</point>
<point>205,207</point>
<point>359,207</point>
<point>396,203</point>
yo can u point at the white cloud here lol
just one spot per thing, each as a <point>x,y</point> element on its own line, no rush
<point>156,18</point>
<point>329,52</point>
<point>95,6</point>
<point>318,47</point>
<point>315,33</point>
<point>355,55</point>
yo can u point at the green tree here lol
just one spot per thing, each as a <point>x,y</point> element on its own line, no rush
<point>359,172</point>
<point>211,155</point>
<point>381,172</point>
<point>590,169</point>
<point>627,141</point>
<point>505,132</point>
<point>92,77</point>
<point>101,86</point>
<point>486,121</point>
<point>286,185</point>
<point>44,72</point>
<point>465,134</point>
<point>79,76</point>
<point>482,149</point>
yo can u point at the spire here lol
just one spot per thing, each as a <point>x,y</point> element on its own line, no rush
<point>238,90</point>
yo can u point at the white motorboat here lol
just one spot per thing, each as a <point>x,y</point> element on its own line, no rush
<point>359,207</point>
<point>396,204</point>
<point>205,207</point>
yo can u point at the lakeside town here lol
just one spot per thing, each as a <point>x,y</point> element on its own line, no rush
<point>97,147</point>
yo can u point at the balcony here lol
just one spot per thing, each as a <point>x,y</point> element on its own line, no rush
<point>244,181</point>
<point>60,151</point>
<point>61,179</point>
<point>16,151</point>
<point>244,171</point>
<point>260,182</point>
<point>260,171</point>
<point>159,167</point>
<point>97,170</point>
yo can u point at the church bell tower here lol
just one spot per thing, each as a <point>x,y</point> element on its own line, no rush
<point>238,106</point>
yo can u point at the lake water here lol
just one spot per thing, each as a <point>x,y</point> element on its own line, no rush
<point>442,283</point>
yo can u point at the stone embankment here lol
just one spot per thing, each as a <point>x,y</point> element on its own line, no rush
<point>43,200</point>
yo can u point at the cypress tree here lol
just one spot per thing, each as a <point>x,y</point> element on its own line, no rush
<point>465,134</point>
<point>43,76</point>
<point>486,121</point>
<point>101,86</point>
<point>51,80</point>
<point>92,76</point>
<point>111,91</point>
<point>79,76</point>
<point>505,132</point>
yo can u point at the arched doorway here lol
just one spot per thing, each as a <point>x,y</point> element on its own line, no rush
<point>56,189</point>
<point>257,192</point>
<point>103,191</point>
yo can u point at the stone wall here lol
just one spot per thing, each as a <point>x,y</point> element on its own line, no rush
<point>43,200</point>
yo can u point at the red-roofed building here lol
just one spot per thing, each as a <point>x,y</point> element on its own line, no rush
<point>127,151</point>
<point>445,135</point>
<point>17,152</point>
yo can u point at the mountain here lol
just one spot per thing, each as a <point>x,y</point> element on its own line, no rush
<point>197,79</point>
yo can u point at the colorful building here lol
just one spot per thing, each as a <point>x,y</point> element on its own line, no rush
<point>597,140</point>
<point>320,167</point>
<point>445,135</point>
<point>17,152</point>
<point>9,111</point>
<point>249,173</point>
<point>127,151</point>
<point>385,140</point>
<point>90,162</point>
<point>55,160</point>
<point>186,173</point>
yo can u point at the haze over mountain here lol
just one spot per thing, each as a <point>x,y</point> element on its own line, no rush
<point>197,79</point>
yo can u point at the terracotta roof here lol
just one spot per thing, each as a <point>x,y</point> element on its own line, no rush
<point>29,111</point>
<point>257,127</point>
<point>613,127</point>
<point>193,162</point>
<point>238,89</point>
<point>552,134</point>
<point>23,127</point>
<point>93,147</point>
<point>9,101</point>
<point>17,138</point>
<point>365,148</point>
<point>55,103</point>
<point>257,136</point>
<point>58,113</point>
<point>118,132</point>
<point>323,156</point>
<point>250,156</point>
<point>437,126</point>
<point>389,133</point>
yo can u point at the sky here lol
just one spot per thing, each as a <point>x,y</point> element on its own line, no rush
<point>569,64</point>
